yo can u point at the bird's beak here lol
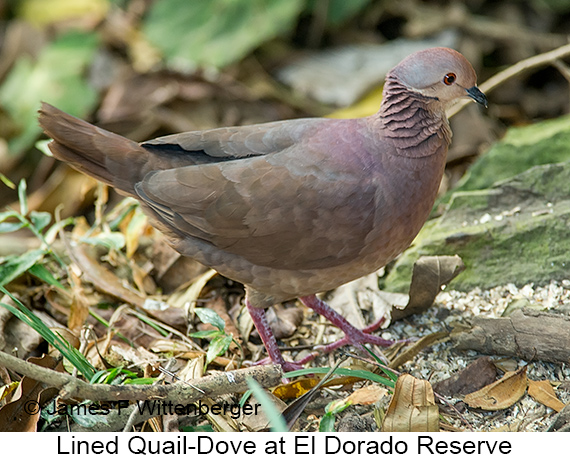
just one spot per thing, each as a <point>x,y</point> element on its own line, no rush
<point>477,95</point>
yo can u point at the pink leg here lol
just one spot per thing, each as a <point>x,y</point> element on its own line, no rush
<point>268,338</point>
<point>353,336</point>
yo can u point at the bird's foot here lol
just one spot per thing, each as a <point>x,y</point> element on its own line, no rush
<point>356,339</point>
<point>285,365</point>
<point>353,336</point>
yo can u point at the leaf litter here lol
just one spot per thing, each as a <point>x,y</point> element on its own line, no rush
<point>147,331</point>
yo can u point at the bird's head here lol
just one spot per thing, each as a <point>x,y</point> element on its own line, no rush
<point>439,73</point>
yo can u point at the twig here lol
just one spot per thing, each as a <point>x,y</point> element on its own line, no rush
<point>424,20</point>
<point>212,386</point>
<point>540,60</point>
<point>562,68</point>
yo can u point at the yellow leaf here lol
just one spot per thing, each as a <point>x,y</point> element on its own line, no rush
<point>295,389</point>
<point>500,394</point>
<point>7,389</point>
<point>367,106</point>
<point>45,12</point>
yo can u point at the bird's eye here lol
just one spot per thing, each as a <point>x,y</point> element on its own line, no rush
<point>449,79</point>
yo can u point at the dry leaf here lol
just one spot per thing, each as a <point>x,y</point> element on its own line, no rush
<point>475,376</point>
<point>7,389</point>
<point>191,294</point>
<point>172,270</point>
<point>133,230</point>
<point>366,395</point>
<point>412,408</point>
<point>103,279</point>
<point>23,412</point>
<point>284,320</point>
<point>543,392</point>
<point>501,394</point>
<point>417,347</point>
<point>295,389</point>
<point>79,309</point>
<point>429,274</point>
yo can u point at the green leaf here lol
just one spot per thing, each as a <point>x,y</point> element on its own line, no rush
<point>22,187</point>
<point>140,381</point>
<point>57,77</point>
<point>206,334</point>
<point>216,32</point>
<point>339,11</point>
<point>327,423</point>
<point>336,407</point>
<point>7,227</point>
<point>275,417</point>
<point>344,372</point>
<point>111,375</point>
<point>208,316</point>
<point>15,266</point>
<point>387,371</point>
<point>40,220</point>
<point>8,214</point>
<point>111,240</point>
<point>52,231</point>
<point>218,346</point>
<point>75,357</point>
<point>98,377</point>
<point>7,182</point>
<point>41,272</point>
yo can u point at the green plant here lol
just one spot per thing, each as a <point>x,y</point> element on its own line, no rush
<point>76,358</point>
<point>220,340</point>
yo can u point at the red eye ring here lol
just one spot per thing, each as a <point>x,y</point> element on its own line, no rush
<point>449,79</point>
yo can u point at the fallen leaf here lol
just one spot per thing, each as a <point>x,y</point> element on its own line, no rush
<point>79,309</point>
<point>295,389</point>
<point>103,279</point>
<point>7,389</point>
<point>429,274</point>
<point>543,392</point>
<point>191,294</point>
<point>417,347</point>
<point>284,320</point>
<point>23,412</point>
<point>501,394</point>
<point>475,376</point>
<point>134,230</point>
<point>367,395</point>
<point>412,408</point>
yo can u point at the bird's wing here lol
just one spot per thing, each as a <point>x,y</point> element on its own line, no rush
<point>230,143</point>
<point>295,209</point>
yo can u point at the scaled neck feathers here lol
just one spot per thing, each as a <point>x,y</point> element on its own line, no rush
<point>416,124</point>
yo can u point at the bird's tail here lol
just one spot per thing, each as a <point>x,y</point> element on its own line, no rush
<point>108,157</point>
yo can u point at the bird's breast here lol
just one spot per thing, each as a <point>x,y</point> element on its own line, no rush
<point>406,191</point>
